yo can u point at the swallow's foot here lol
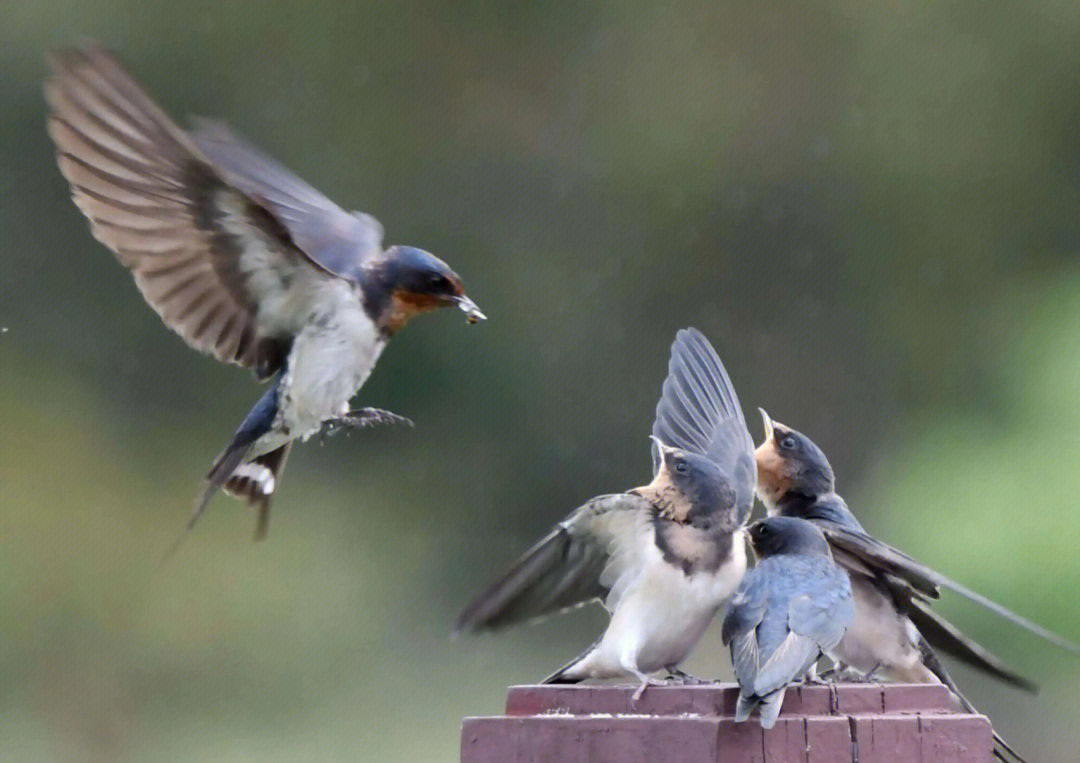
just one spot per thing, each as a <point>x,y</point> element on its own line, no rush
<point>680,678</point>
<point>646,682</point>
<point>362,418</point>
<point>873,676</point>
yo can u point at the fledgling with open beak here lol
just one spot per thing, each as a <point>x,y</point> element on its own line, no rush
<point>895,632</point>
<point>243,259</point>
<point>662,558</point>
<point>792,608</point>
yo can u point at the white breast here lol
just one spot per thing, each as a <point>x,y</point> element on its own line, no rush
<point>663,612</point>
<point>331,358</point>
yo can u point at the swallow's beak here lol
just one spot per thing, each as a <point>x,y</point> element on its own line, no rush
<point>472,312</point>
<point>663,449</point>
<point>767,423</point>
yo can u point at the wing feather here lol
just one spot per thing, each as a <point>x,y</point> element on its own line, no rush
<point>204,253</point>
<point>699,411</point>
<point>881,557</point>
<point>583,559</point>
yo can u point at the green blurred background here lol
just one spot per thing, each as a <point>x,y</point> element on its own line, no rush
<point>871,211</point>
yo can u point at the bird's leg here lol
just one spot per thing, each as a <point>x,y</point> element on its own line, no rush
<point>811,678</point>
<point>646,682</point>
<point>871,675</point>
<point>360,418</point>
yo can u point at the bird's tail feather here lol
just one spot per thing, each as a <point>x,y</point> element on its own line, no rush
<point>254,483</point>
<point>945,637</point>
<point>1002,749</point>
<point>769,707</point>
<point>560,676</point>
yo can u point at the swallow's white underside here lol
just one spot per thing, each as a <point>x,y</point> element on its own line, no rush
<point>660,614</point>
<point>880,638</point>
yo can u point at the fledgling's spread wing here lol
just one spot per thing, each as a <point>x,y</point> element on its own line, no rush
<point>587,557</point>
<point>852,547</point>
<point>700,412</point>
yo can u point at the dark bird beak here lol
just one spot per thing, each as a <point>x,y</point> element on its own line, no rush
<point>470,308</point>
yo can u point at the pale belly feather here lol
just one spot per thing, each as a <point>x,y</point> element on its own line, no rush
<point>663,614</point>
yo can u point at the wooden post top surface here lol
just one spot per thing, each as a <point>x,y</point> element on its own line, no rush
<point>691,724</point>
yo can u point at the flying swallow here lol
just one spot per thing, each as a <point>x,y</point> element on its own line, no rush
<point>243,259</point>
<point>895,632</point>
<point>662,558</point>
<point>793,607</point>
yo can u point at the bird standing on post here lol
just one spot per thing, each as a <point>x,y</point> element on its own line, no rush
<point>792,607</point>
<point>895,632</point>
<point>662,558</point>
<point>243,259</point>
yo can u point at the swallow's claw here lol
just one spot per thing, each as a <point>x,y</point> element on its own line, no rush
<point>366,417</point>
<point>362,418</point>
<point>680,678</point>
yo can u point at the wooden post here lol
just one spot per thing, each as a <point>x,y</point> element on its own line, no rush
<point>868,723</point>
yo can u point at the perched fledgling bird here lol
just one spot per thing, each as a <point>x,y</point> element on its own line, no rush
<point>243,259</point>
<point>793,607</point>
<point>895,632</point>
<point>661,558</point>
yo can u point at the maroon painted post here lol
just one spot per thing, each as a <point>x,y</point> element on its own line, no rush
<point>869,723</point>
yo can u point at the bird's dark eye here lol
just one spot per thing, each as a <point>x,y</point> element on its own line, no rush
<point>681,467</point>
<point>437,281</point>
<point>787,443</point>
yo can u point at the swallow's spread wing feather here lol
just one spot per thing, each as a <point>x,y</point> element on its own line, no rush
<point>946,637</point>
<point>336,239</point>
<point>852,547</point>
<point>699,412</point>
<point>585,558</point>
<point>205,254</point>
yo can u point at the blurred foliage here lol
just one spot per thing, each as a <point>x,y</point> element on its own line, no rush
<point>872,210</point>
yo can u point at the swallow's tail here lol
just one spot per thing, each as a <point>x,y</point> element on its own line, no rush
<point>255,481</point>
<point>565,674</point>
<point>1003,751</point>
<point>946,637</point>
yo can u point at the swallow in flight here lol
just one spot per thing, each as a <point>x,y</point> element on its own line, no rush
<point>243,259</point>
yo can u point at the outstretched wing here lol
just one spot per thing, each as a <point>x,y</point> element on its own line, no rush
<point>946,637</point>
<point>586,557</point>
<point>860,550</point>
<point>339,241</point>
<point>699,412</point>
<point>206,255</point>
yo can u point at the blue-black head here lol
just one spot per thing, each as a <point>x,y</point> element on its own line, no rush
<point>408,281</point>
<point>690,488</point>
<point>787,535</point>
<point>790,462</point>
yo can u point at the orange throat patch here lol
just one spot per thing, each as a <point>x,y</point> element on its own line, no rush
<point>773,472</point>
<point>404,306</point>
<point>665,497</point>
